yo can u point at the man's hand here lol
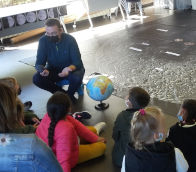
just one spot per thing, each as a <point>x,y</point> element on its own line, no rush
<point>65,72</point>
<point>45,72</point>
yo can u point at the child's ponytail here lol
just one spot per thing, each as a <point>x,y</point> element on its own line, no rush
<point>144,124</point>
<point>58,107</point>
<point>51,132</point>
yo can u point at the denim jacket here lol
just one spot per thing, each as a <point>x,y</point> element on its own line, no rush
<point>26,153</point>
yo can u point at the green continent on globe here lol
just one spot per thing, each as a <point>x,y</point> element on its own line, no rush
<point>102,82</point>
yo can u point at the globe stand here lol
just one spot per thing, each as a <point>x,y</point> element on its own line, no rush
<point>102,106</point>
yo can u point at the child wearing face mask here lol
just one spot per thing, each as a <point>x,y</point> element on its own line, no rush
<point>137,98</point>
<point>183,133</point>
<point>148,151</point>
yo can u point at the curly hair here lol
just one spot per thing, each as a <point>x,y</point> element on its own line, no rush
<point>57,107</point>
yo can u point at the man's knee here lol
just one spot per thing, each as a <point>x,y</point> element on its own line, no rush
<point>36,78</point>
<point>76,79</point>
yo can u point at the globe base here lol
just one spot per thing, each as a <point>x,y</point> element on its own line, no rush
<point>102,106</point>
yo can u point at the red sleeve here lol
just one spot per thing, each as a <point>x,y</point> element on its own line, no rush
<point>82,130</point>
<point>65,142</point>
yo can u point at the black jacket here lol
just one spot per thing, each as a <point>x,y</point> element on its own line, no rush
<point>157,157</point>
<point>121,135</point>
<point>184,138</point>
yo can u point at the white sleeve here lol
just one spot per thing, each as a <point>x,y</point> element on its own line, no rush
<point>181,163</point>
<point>123,165</point>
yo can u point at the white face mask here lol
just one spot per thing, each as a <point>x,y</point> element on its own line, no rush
<point>127,103</point>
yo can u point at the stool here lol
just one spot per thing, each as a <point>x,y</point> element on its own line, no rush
<point>126,4</point>
<point>80,90</point>
<point>136,3</point>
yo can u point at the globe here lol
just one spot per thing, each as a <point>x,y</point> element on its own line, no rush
<point>100,88</point>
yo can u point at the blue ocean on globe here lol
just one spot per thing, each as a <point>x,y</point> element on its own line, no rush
<point>99,88</point>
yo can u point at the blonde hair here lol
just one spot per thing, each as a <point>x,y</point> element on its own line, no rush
<point>10,82</point>
<point>11,110</point>
<point>144,125</point>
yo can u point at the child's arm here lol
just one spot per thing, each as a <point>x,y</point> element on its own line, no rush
<point>83,131</point>
<point>29,117</point>
<point>123,165</point>
<point>116,128</point>
<point>181,163</point>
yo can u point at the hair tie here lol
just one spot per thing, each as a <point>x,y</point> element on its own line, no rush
<point>142,111</point>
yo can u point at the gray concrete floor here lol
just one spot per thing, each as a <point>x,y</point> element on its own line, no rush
<point>9,66</point>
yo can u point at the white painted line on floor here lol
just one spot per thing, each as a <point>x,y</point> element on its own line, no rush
<point>144,43</point>
<point>171,53</point>
<point>111,77</point>
<point>189,43</point>
<point>136,49</point>
<point>159,69</point>
<point>178,40</point>
<point>162,30</point>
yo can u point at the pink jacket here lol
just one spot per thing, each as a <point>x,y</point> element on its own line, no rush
<point>65,145</point>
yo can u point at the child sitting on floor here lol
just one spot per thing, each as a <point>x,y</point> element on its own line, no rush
<point>146,152</point>
<point>183,133</point>
<point>19,150</point>
<point>15,116</point>
<point>64,134</point>
<point>30,118</point>
<point>138,98</point>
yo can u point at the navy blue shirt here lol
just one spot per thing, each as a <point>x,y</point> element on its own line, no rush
<point>56,56</point>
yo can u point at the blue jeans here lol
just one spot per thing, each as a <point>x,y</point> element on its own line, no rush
<point>49,82</point>
<point>26,153</point>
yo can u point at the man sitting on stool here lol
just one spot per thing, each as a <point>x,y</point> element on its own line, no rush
<point>58,58</point>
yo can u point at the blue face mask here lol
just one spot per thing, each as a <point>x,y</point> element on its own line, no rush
<point>160,137</point>
<point>180,118</point>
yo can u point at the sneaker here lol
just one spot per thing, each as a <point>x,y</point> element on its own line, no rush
<point>27,105</point>
<point>100,127</point>
<point>81,115</point>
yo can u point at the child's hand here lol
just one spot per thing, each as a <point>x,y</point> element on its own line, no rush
<point>37,122</point>
<point>35,125</point>
<point>101,139</point>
